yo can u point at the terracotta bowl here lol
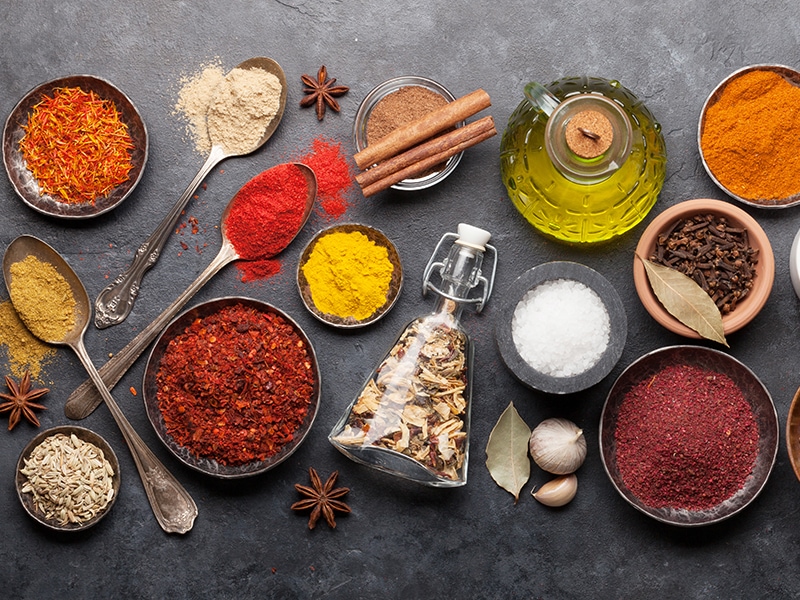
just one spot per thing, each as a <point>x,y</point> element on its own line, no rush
<point>745,310</point>
<point>793,433</point>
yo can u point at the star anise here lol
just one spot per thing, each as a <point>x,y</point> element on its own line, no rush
<point>20,400</point>
<point>321,91</point>
<point>322,499</point>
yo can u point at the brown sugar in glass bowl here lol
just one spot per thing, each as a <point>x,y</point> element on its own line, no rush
<point>747,308</point>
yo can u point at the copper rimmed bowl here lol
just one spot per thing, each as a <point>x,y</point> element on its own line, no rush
<point>754,392</point>
<point>206,464</point>
<point>24,182</point>
<point>747,309</point>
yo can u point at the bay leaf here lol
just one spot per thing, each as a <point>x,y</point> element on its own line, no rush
<point>507,452</point>
<point>685,300</point>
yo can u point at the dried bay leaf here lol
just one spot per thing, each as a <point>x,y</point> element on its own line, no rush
<point>685,300</point>
<point>507,452</point>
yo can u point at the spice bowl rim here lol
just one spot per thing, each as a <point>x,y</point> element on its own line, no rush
<point>150,388</point>
<point>395,285</point>
<point>376,95</point>
<point>538,275</point>
<point>748,308</point>
<point>788,73</point>
<point>23,181</point>
<point>758,397</point>
<point>793,434</point>
<point>87,435</point>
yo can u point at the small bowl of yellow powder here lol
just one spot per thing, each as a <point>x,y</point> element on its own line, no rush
<point>349,275</point>
<point>748,135</point>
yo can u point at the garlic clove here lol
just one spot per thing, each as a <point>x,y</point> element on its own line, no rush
<point>558,446</point>
<point>558,491</point>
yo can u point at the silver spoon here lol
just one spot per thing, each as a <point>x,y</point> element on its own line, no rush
<point>85,398</point>
<point>173,506</point>
<point>115,302</point>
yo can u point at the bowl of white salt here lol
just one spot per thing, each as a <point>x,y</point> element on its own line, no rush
<point>561,328</point>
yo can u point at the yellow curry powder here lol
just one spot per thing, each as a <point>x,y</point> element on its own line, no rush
<point>750,135</point>
<point>25,352</point>
<point>43,299</point>
<point>348,275</point>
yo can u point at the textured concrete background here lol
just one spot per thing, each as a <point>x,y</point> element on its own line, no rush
<point>401,541</point>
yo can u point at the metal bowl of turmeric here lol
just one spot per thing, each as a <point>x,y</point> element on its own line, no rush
<point>57,122</point>
<point>349,275</point>
<point>747,136</point>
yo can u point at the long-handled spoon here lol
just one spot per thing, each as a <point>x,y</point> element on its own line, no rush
<point>173,506</point>
<point>85,398</point>
<point>115,302</point>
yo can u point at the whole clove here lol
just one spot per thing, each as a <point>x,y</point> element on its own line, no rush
<point>714,253</point>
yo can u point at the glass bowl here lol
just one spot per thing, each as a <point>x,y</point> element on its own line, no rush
<point>747,309</point>
<point>365,110</point>
<point>86,435</point>
<point>395,285</point>
<point>618,322</point>
<point>210,466</point>
<point>24,182</point>
<point>788,73</point>
<point>756,394</point>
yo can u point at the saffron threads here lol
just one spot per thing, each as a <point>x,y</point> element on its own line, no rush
<point>686,439</point>
<point>76,146</point>
<point>236,385</point>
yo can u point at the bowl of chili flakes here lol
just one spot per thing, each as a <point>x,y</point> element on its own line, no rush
<point>232,387</point>
<point>117,150</point>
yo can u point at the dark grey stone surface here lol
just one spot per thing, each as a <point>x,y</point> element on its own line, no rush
<point>401,541</point>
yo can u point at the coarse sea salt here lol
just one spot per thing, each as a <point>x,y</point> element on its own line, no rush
<point>561,328</point>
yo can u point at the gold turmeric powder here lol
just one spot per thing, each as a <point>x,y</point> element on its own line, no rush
<point>348,275</point>
<point>750,135</point>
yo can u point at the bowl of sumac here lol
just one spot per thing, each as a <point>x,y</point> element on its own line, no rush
<point>232,387</point>
<point>688,435</point>
<point>718,245</point>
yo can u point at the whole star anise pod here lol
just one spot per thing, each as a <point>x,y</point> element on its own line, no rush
<point>20,400</point>
<point>321,499</point>
<point>321,91</point>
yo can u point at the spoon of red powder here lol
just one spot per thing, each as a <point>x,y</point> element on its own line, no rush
<point>264,216</point>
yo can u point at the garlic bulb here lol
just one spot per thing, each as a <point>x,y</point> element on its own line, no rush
<point>558,446</point>
<point>558,491</point>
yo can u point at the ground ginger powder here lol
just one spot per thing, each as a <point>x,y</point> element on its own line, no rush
<point>348,275</point>
<point>43,299</point>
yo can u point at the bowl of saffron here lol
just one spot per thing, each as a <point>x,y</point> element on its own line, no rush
<point>232,387</point>
<point>688,435</point>
<point>562,327</point>
<point>74,147</point>
<point>349,275</point>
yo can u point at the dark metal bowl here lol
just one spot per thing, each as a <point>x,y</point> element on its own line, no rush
<point>24,182</point>
<point>86,435</point>
<point>617,319</point>
<point>150,391</point>
<point>754,392</point>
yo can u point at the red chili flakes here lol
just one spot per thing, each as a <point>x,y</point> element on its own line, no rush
<point>686,439</point>
<point>236,385</point>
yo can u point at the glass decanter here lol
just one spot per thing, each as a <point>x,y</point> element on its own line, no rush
<point>412,415</point>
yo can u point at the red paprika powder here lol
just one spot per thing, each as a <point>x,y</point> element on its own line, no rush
<point>334,175</point>
<point>236,385</point>
<point>265,215</point>
<point>686,439</point>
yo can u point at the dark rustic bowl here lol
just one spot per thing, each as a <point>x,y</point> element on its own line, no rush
<point>616,313</point>
<point>754,391</point>
<point>150,390</point>
<point>395,285</point>
<point>87,436</point>
<point>24,182</point>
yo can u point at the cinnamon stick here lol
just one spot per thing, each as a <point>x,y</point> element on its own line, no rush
<point>421,158</point>
<point>433,146</point>
<point>423,128</point>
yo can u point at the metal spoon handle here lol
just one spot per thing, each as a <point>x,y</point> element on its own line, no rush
<point>174,508</point>
<point>115,302</point>
<point>86,397</point>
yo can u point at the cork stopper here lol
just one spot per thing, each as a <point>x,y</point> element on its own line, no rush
<point>589,134</point>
